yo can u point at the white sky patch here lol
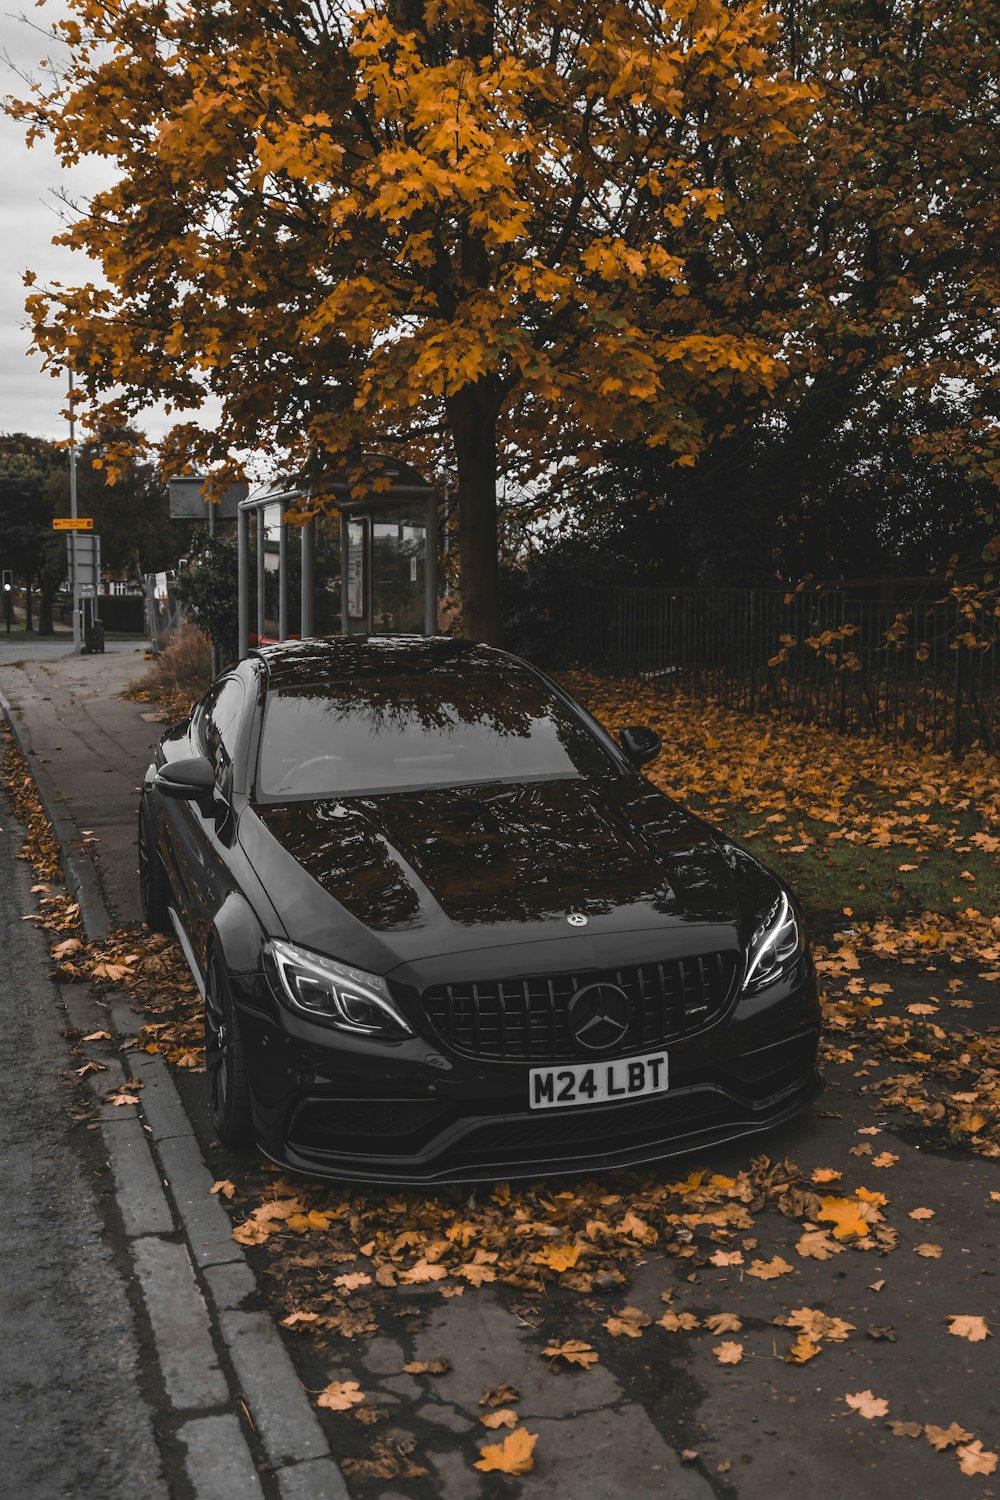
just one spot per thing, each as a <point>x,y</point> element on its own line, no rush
<point>31,399</point>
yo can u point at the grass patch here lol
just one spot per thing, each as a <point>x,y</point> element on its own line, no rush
<point>835,816</point>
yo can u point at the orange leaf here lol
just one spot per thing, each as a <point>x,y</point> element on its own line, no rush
<point>867,1405</point>
<point>573,1352</point>
<point>340,1395</point>
<point>512,1456</point>
<point>729,1353</point>
<point>973,1329</point>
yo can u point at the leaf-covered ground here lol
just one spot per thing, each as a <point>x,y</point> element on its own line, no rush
<point>908,972</point>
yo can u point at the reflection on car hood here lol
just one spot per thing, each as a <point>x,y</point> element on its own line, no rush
<point>432,868</point>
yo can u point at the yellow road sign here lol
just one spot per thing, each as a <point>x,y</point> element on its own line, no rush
<point>66,523</point>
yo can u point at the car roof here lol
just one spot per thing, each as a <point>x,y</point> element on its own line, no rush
<point>319,659</point>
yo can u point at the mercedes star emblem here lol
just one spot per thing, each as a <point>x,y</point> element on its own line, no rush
<point>577,919</point>
<point>598,1016</point>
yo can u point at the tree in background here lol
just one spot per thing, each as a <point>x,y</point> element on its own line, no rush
<point>458,230</point>
<point>30,468</point>
<point>867,247</point>
<point>132,514</point>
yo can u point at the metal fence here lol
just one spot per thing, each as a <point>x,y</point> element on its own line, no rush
<point>921,670</point>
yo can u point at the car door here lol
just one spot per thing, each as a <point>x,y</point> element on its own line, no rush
<point>204,836</point>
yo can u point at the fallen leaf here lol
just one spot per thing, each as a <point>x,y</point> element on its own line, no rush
<point>512,1456</point>
<point>558,1257</point>
<point>767,1270</point>
<point>905,1429</point>
<point>672,1322</point>
<point>974,1459</point>
<point>505,1417</point>
<point>628,1323</point>
<point>726,1258</point>
<point>941,1438</point>
<point>801,1350</point>
<point>422,1272</point>
<point>294,1319</point>
<point>573,1352</point>
<point>973,1329</point>
<point>816,1244</point>
<point>867,1405</point>
<point>728,1353</point>
<point>499,1395</point>
<point>929,1252</point>
<point>340,1395</point>
<point>723,1323</point>
<point>921,1213</point>
<point>352,1280</point>
<point>438,1366</point>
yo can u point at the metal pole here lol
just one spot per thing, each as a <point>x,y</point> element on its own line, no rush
<point>308,544</point>
<point>216,663</point>
<point>243,571</point>
<point>430,565</point>
<point>261,534</point>
<point>283,583</point>
<point>344,555</point>
<point>74,589</point>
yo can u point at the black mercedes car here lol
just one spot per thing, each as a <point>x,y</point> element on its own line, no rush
<point>445,929</point>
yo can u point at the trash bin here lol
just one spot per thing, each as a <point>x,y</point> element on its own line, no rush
<point>94,637</point>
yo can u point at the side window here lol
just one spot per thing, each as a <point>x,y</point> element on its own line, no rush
<point>219,725</point>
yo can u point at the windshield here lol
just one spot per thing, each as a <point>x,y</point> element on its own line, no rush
<point>342,739</point>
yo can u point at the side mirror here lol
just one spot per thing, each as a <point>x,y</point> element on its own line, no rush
<point>187,780</point>
<point>640,744</point>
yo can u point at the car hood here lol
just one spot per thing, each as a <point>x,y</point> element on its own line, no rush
<point>400,876</point>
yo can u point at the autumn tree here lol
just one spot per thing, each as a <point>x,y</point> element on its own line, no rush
<point>449,229</point>
<point>868,247</point>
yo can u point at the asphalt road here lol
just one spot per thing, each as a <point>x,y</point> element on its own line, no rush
<point>75,1409</point>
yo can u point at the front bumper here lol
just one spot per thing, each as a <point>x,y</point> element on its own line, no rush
<point>332,1105</point>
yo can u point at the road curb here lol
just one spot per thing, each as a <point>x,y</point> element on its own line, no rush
<point>228,1376</point>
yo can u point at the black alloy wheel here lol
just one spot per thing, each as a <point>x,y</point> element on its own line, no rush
<point>154,887</point>
<point>229,1088</point>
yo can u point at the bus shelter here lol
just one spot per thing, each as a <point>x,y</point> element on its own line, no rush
<point>363,566</point>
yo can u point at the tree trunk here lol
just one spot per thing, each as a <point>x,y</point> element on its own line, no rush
<point>45,611</point>
<point>472,417</point>
<point>27,606</point>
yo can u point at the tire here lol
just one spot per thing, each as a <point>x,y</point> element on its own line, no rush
<point>228,1084</point>
<point>154,887</point>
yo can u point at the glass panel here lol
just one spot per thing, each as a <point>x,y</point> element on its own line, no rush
<point>398,549</point>
<point>327,571</point>
<point>271,532</point>
<point>350,738</point>
<point>356,602</point>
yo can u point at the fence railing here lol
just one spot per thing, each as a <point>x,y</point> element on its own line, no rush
<point>906,670</point>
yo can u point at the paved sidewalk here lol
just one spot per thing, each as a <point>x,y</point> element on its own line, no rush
<point>88,750</point>
<point>231,1398</point>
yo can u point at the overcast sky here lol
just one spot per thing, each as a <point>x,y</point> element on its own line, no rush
<point>30,399</point>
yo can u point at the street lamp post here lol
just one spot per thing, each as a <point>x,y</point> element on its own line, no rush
<point>73,582</point>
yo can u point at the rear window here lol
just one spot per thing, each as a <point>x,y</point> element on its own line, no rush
<point>359,738</point>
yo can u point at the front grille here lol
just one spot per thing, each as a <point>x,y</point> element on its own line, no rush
<point>526,1020</point>
<point>339,1123</point>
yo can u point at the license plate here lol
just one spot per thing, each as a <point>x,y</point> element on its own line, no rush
<point>597,1082</point>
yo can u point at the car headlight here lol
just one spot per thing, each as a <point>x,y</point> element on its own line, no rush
<point>774,947</point>
<point>334,994</point>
